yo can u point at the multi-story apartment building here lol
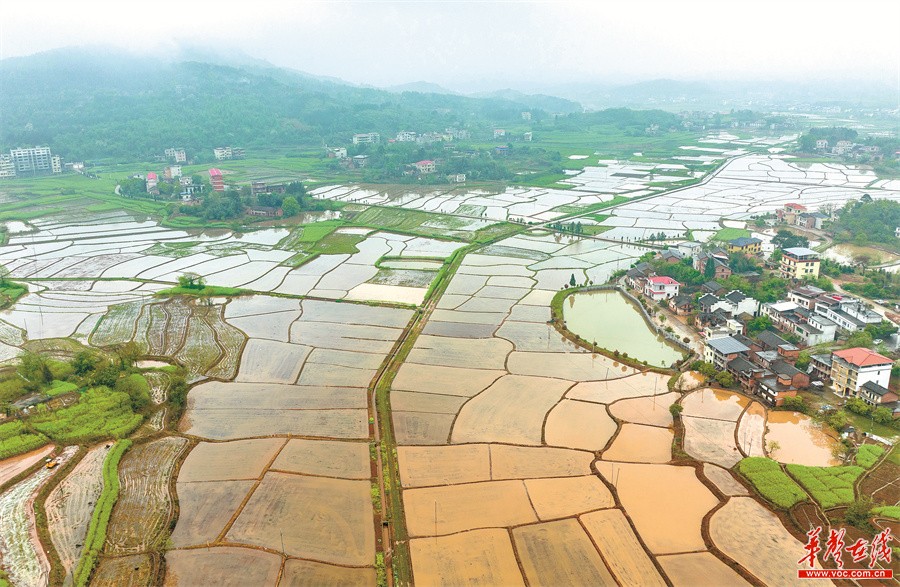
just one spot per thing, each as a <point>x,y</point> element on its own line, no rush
<point>216,180</point>
<point>853,368</point>
<point>32,161</point>
<point>7,167</point>
<point>366,138</point>
<point>799,263</point>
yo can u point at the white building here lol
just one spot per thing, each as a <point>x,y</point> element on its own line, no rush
<point>406,136</point>
<point>366,138</point>
<point>660,287</point>
<point>848,313</point>
<point>32,161</point>
<point>56,164</point>
<point>222,153</point>
<point>180,156</point>
<point>499,132</point>
<point>526,116</point>
<point>337,152</point>
<point>8,168</point>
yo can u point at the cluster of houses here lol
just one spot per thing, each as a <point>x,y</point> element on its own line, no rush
<point>766,367</point>
<point>797,215</point>
<point>817,316</point>
<point>848,148</point>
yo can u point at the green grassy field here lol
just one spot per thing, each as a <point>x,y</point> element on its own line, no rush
<point>830,486</point>
<point>727,234</point>
<point>771,482</point>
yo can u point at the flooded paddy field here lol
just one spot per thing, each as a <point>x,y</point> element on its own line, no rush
<point>522,457</point>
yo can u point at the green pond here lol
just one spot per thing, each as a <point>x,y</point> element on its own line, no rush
<point>607,318</point>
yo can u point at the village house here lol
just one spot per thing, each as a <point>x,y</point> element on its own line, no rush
<point>216,180</point>
<point>852,368</point>
<point>681,304</point>
<point>789,212</point>
<point>425,166</point>
<point>876,395</point>
<point>336,152</point>
<point>721,351</point>
<point>660,287</point>
<point>848,313</point>
<point>820,366</point>
<point>799,263</point>
<point>745,245</point>
<point>152,182</point>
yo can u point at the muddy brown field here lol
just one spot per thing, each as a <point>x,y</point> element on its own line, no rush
<point>71,503</point>
<point>144,507</point>
<point>221,566</point>
<point>319,518</point>
<point>552,552</point>
<point>479,557</point>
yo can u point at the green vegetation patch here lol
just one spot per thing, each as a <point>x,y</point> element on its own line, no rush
<point>205,291</point>
<point>15,439</point>
<point>96,534</point>
<point>727,234</point>
<point>830,486</point>
<point>888,511</point>
<point>99,413</point>
<point>771,482</point>
<point>60,387</point>
<point>868,455</point>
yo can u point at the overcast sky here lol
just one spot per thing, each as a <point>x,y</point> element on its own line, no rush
<point>465,44</point>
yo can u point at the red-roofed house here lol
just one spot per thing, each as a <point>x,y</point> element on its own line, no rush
<point>424,166</point>
<point>789,213</point>
<point>215,179</point>
<point>152,181</point>
<point>660,287</point>
<point>853,368</point>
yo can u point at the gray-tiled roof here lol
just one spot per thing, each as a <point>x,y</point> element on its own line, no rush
<point>727,345</point>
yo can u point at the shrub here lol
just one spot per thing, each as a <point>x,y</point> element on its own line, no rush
<point>797,404</point>
<point>676,409</point>
<point>771,482</point>
<point>137,389</point>
<point>859,512</point>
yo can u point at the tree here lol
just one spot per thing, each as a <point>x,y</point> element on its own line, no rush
<point>785,239</point>
<point>860,338</point>
<point>881,330</point>
<point>84,362</point>
<point>709,271</point>
<point>858,406</point>
<point>128,353</point>
<point>725,378</point>
<point>675,410</point>
<point>859,512</point>
<point>883,415</point>
<point>191,281</point>
<point>572,281</point>
<point>802,360</point>
<point>776,256</point>
<point>33,368</point>
<point>758,324</point>
<point>290,207</point>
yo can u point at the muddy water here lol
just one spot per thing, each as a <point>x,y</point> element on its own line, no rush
<point>714,403</point>
<point>751,430</point>
<point>800,439</point>
<point>607,318</point>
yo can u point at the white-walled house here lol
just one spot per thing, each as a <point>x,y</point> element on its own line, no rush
<point>660,287</point>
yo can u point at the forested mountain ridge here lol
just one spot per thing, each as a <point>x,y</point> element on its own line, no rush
<point>97,104</point>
